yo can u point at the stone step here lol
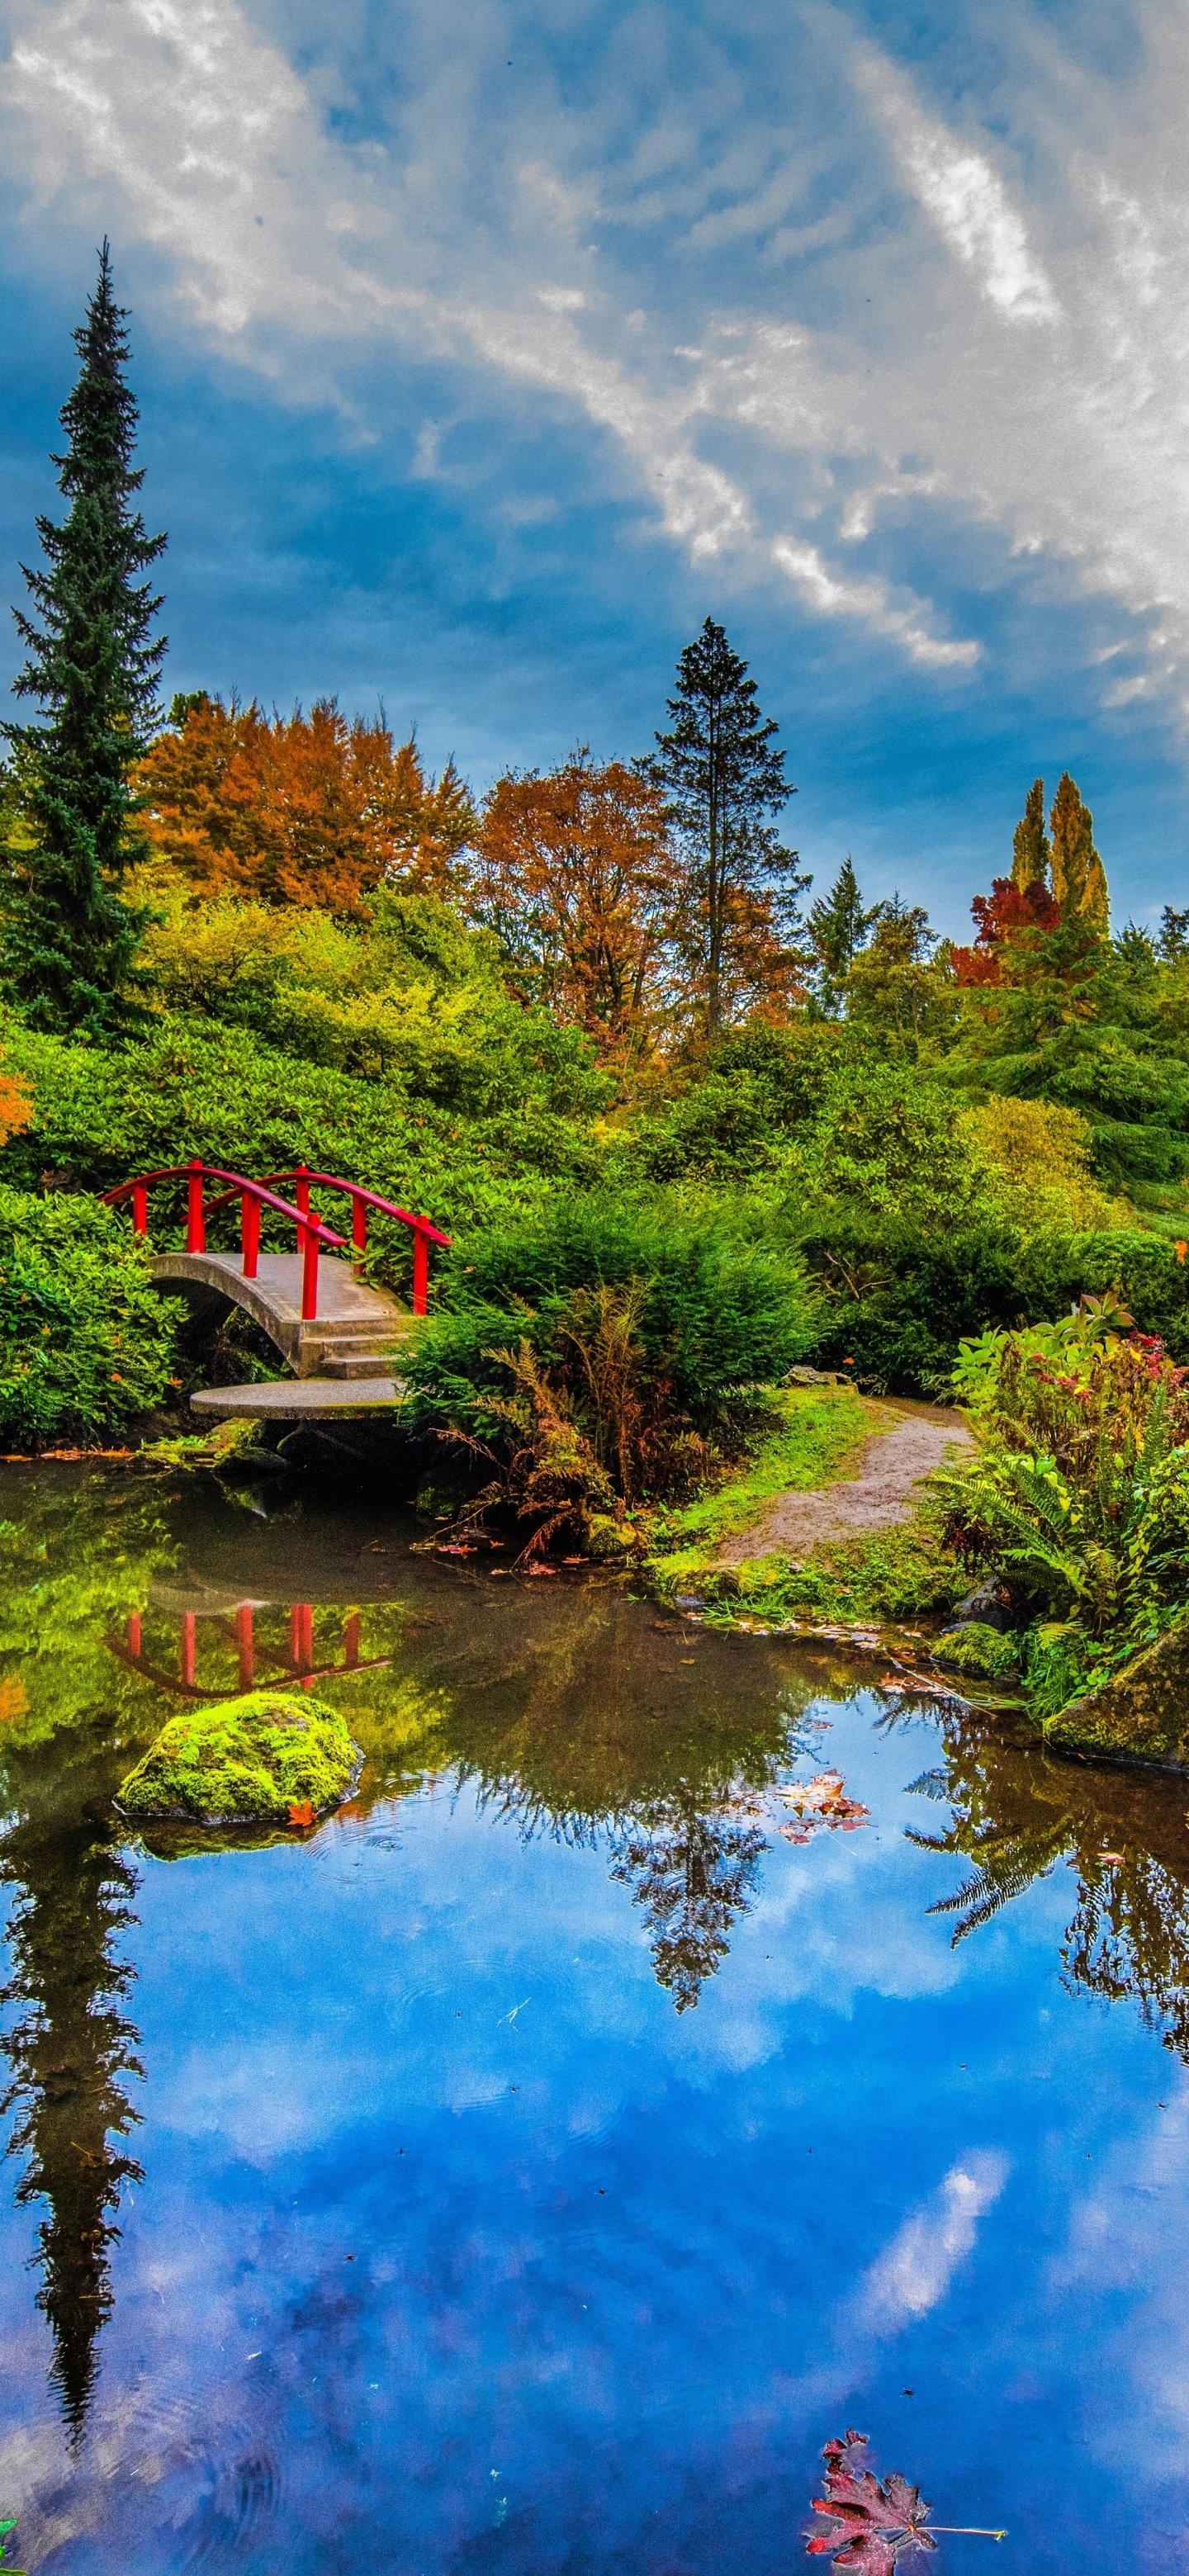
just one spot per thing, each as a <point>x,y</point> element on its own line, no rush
<point>356,1359</point>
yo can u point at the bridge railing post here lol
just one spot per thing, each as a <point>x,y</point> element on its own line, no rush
<point>140,1209</point>
<point>420,1274</point>
<point>359,1224</point>
<point>250,1232</point>
<point>195,1219</point>
<point>309,1268</point>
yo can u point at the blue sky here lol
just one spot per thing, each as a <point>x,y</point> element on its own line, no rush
<point>484,349</point>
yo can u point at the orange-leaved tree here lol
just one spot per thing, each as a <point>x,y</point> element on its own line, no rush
<point>16,1104</point>
<point>575,874</point>
<point>298,809</point>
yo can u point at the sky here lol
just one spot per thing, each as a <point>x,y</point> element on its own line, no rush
<point>486,347</point>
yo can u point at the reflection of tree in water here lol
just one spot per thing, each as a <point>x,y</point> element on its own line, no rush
<point>68,2052</point>
<point>692,1870</point>
<point>1018,1812</point>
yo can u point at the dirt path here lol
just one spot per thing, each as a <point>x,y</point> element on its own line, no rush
<point>876,1497</point>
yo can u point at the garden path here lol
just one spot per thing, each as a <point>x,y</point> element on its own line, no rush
<point>893,1464</point>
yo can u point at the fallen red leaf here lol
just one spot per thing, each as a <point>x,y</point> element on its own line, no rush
<point>878,2521</point>
<point>302,1811</point>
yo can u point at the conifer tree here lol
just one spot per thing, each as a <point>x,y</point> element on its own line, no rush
<point>1078,875</point>
<point>723,779</point>
<point>838,927</point>
<point>92,662</point>
<point>1030,853</point>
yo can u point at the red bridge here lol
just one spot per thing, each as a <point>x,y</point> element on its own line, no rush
<point>325,1320</point>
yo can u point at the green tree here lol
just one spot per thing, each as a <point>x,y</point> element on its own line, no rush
<point>94,665</point>
<point>839,926</point>
<point>723,780</point>
<point>898,991</point>
<point>1030,849</point>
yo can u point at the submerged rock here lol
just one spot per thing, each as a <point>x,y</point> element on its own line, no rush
<point>1140,1715</point>
<point>273,1757</point>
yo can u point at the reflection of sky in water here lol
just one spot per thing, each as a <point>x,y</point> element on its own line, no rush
<point>458,2247</point>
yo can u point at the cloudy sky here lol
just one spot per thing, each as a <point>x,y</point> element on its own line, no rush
<point>485,346</point>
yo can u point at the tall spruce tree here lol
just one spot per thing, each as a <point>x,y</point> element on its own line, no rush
<point>838,925</point>
<point>92,662</point>
<point>723,780</point>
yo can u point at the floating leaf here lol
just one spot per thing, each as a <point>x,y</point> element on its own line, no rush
<point>878,2520</point>
<point>302,1812</point>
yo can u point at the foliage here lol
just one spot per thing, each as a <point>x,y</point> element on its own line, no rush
<point>305,810</point>
<point>1036,1158</point>
<point>69,936</point>
<point>86,1343</point>
<point>410,998</point>
<point>1080,1493</point>
<point>267,1756</point>
<point>723,779</point>
<point>976,1648</point>
<point>5,2528</point>
<point>898,992</point>
<point>575,875</point>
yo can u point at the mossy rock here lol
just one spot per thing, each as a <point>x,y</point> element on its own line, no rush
<point>1140,1715</point>
<point>247,1761</point>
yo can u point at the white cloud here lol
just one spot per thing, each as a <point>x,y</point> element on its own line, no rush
<point>965,197</point>
<point>914,2272</point>
<point>1038,399</point>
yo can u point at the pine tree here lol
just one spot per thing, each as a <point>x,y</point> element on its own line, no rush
<point>838,928</point>
<point>91,660</point>
<point>1030,853</point>
<point>722,780</point>
<point>1078,875</point>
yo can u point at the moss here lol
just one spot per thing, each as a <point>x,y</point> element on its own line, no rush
<point>977,1648</point>
<point>1141,1714</point>
<point>249,1760</point>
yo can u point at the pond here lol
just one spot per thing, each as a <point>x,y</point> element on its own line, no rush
<point>684,2047</point>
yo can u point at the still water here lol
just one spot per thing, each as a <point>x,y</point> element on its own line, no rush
<point>531,2170</point>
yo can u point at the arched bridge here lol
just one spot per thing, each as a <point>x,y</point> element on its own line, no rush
<point>341,1338</point>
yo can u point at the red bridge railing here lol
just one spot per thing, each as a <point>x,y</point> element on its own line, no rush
<point>314,1236</point>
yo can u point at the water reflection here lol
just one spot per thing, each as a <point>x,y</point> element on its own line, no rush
<point>693,1871</point>
<point>1018,1812</point>
<point>570,1709</point>
<point>70,2052</point>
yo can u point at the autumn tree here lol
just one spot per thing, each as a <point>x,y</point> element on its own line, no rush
<point>1077,875</point>
<point>1030,849</point>
<point>723,780</point>
<point>299,809</point>
<point>575,874</point>
<point>93,664</point>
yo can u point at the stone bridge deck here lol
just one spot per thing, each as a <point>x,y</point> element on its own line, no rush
<point>344,1363</point>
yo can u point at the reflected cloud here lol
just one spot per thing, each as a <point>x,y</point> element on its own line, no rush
<point>914,2272</point>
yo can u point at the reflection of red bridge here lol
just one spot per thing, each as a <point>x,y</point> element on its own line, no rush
<point>298,1672</point>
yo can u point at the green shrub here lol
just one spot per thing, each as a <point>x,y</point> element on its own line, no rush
<point>86,1343</point>
<point>718,1311</point>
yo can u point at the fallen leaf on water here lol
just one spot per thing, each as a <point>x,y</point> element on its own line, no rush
<point>301,1811</point>
<point>878,2520</point>
<point>1114,1860</point>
